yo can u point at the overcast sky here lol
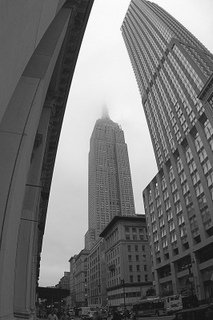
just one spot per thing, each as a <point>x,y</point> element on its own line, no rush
<point>103,76</point>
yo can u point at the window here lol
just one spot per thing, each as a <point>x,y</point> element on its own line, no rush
<point>131,278</point>
<point>139,278</point>
<point>145,267</point>
<point>136,247</point>
<point>146,277</point>
<point>129,257</point>
<point>143,248</point>
<point>129,248</point>
<point>130,268</point>
<point>138,267</point>
<point>137,257</point>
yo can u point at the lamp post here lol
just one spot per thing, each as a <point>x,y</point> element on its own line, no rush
<point>99,295</point>
<point>123,284</point>
<point>191,282</point>
<point>190,279</point>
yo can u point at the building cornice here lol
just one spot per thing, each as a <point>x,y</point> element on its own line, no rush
<point>135,218</point>
<point>128,285</point>
<point>206,89</point>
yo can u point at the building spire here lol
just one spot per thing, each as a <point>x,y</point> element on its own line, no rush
<point>105,112</point>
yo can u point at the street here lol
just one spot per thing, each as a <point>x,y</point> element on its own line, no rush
<point>147,318</point>
<point>157,318</point>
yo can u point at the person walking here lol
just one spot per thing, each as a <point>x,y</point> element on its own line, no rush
<point>96,316</point>
<point>65,316</point>
<point>116,315</point>
<point>209,313</point>
<point>52,316</point>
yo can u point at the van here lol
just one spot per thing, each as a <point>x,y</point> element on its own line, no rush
<point>173,303</point>
<point>87,312</point>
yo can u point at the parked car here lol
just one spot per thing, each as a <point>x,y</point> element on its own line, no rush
<point>87,313</point>
<point>103,314</point>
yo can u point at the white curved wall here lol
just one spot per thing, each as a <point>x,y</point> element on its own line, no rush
<point>32,36</point>
<point>22,25</point>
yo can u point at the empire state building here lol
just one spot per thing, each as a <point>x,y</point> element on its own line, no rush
<point>110,185</point>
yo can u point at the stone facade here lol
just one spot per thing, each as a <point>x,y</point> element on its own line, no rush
<point>128,260</point>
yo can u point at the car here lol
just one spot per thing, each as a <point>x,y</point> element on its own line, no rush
<point>103,314</point>
<point>87,313</point>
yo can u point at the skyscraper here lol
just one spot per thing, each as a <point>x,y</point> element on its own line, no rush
<point>174,72</point>
<point>110,185</point>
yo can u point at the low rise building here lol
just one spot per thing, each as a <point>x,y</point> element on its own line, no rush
<point>128,260</point>
<point>64,282</point>
<point>78,279</point>
<point>72,281</point>
<point>97,296</point>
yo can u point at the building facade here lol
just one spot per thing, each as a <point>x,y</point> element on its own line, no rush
<point>96,279</point>
<point>174,72</point>
<point>78,279</point>
<point>80,276</point>
<point>72,281</point>
<point>64,282</point>
<point>128,260</point>
<point>110,185</point>
<point>41,41</point>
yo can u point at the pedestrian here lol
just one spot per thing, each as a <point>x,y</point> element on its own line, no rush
<point>65,316</point>
<point>126,314</point>
<point>96,316</point>
<point>52,316</point>
<point>116,315</point>
<point>209,313</point>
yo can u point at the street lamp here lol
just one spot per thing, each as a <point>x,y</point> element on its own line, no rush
<point>123,284</point>
<point>191,282</point>
<point>190,279</point>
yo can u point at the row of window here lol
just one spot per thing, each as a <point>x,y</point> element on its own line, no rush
<point>199,193</point>
<point>132,279</point>
<point>136,237</point>
<point>127,295</point>
<point>193,74</point>
<point>135,248</point>
<point>138,268</point>
<point>135,257</point>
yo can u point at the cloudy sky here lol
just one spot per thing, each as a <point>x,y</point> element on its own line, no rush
<point>103,76</point>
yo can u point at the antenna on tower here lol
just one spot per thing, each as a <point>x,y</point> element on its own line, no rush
<point>105,112</point>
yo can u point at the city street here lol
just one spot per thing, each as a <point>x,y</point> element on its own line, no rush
<point>146,318</point>
<point>158,318</point>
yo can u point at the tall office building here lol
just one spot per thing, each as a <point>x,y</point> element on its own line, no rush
<point>174,72</point>
<point>110,185</point>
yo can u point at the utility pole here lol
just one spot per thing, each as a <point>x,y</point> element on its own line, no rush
<point>190,279</point>
<point>123,284</point>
